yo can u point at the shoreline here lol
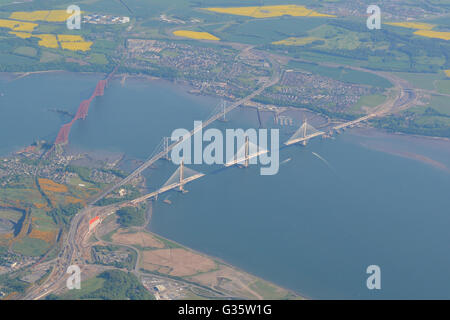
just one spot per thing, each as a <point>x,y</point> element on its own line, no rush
<point>232,266</point>
<point>146,228</point>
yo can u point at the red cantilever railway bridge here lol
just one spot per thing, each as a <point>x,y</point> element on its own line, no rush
<point>63,134</point>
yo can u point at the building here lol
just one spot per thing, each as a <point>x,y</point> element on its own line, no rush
<point>94,222</point>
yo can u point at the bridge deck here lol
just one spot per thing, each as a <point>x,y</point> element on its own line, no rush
<point>340,126</point>
<point>289,142</point>
<point>166,188</point>
<point>236,161</point>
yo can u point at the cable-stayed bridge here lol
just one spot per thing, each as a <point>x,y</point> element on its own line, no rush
<point>307,131</point>
<point>178,179</point>
<point>303,134</point>
<point>246,152</point>
<point>353,122</point>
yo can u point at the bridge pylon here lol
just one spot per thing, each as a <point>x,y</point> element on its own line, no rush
<point>181,177</point>
<point>247,151</point>
<point>223,110</point>
<point>166,148</point>
<point>303,134</point>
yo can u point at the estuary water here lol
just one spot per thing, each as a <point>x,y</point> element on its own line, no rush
<point>335,207</point>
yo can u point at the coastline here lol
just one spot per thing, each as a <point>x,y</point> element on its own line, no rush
<point>423,144</point>
<point>221,261</point>
<point>149,215</point>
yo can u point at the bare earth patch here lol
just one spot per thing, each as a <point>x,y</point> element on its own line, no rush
<point>176,262</point>
<point>142,239</point>
<point>227,279</point>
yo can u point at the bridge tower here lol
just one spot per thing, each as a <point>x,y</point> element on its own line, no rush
<point>303,134</point>
<point>246,152</point>
<point>305,125</point>
<point>181,176</point>
<point>223,109</point>
<point>166,148</point>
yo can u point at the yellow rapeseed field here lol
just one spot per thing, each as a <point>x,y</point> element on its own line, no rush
<point>58,16</point>
<point>41,15</point>
<point>447,73</point>
<point>271,11</point>
<point>47,40</point>
<point>424,29</point>
<point>30,16</point>
<point>23,35</point>
<point>195,35</point>
<point>296,41</point>
<point>69,42</point>
<point>77,46</point>
<point>17,25</point>
<point>433,34</point>
<point>74,42</point>
<point>412,25</point>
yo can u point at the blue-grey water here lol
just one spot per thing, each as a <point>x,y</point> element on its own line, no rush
<point>314,227</point>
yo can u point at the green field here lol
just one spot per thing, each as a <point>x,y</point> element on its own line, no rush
<point>342,74</point>
<point>42,221</point>
<point>31,247</point>
<point>441,104</point>
<point>264,31</point>
<point>26,51</point>
<point>432,119</point>
<point>421,80</point>
<point>443,86</point>
<point>368,101</point>
<point>109,285</point>
<point>268,291</point>
<point>24,195</point>
<point>87,287</point>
